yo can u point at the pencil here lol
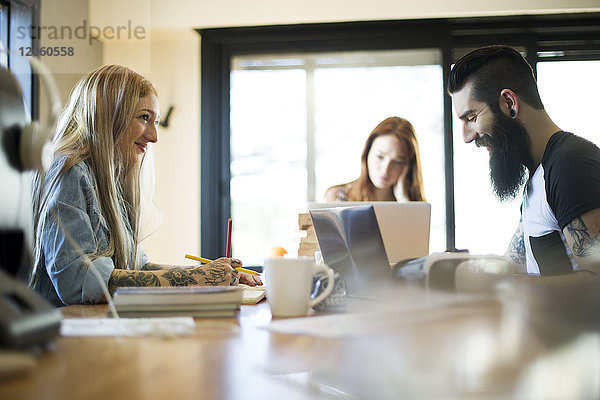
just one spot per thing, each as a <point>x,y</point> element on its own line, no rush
<point>206,260</point>
<point>247,271</point>
<point>228,249</point>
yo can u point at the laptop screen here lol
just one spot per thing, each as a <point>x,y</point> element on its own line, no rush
<point>404,227</point>
<point>351,244</point>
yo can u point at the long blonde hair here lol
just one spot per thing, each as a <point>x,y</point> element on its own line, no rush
<point>92,129</point>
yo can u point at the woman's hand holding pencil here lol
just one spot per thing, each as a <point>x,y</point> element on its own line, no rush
<point>246,276</point>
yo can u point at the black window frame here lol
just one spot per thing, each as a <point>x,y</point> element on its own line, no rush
<point>23,14</point>
<point>571,36</point>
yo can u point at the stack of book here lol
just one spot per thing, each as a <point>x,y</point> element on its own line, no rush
<point>308,244</point>
<point>195,301</point>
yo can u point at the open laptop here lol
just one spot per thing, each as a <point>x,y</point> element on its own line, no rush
<point>351,243</point>
<point>404,227</point>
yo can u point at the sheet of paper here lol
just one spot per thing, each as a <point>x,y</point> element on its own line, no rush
<point>163,327</point>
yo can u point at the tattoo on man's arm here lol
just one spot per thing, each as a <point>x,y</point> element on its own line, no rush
<point>124,278</point>
<point>585,243</point>
<point>516,249</point>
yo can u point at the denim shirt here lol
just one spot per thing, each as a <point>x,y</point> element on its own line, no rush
<point>73,208</point>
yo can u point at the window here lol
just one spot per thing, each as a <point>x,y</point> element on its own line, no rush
<point>298,126</point>
<point>13,15</point>
<point>569,90</point>
<point>327,68</point>
<point>3,35</point>
<point>268,159</point>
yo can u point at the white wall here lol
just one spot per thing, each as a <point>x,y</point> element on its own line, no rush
<point>170,57</point>
<point>222,13</point>
<point>175,72</point>
<point>67,70</point>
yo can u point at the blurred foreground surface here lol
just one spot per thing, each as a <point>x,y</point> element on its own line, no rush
<point>515,342</point>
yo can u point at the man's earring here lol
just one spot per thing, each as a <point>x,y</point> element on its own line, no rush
<point>513,113</point>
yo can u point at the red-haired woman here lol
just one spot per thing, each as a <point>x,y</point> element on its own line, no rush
<point>390,167</point>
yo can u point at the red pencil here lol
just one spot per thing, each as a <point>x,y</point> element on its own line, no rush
<point>228,249</point>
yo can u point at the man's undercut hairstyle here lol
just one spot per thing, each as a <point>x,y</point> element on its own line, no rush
<point>491,69</point>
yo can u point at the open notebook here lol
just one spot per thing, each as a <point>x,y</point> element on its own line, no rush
<point>253,294</point>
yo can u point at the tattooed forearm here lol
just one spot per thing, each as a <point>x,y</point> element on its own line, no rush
<point>179,278</point>
<point>123,278</point>
<point>151,267</point>
<point>516,248</point>
<point>585,243</point>
<point>218,272</point>
<point>156,267</point>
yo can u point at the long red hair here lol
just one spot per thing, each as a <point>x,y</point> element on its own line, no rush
<point>363,189</point>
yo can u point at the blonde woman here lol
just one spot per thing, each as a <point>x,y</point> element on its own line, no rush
<point>87,206</point>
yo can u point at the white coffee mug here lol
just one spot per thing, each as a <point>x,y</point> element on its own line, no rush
<point>289,282</point>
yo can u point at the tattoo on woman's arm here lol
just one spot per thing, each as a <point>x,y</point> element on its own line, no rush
<point>156,267</point>
<point>197,271</point>
<point>584,243</point>
<point>124,278</point>
<point>179,277</point>
<point>216,275</point>
<point>151,267</point>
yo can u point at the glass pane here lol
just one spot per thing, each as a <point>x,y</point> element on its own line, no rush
<point>3,35</point>
<point>350,93</point>
<point>569,90</point>
<point>350,102</point>
<point>268,160</point>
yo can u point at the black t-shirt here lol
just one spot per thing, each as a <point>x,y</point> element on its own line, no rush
<point>564,186</point>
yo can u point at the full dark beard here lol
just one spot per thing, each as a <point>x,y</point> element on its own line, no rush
<point>510,157</point>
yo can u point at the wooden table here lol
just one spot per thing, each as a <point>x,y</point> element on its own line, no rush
<point>468,349</point>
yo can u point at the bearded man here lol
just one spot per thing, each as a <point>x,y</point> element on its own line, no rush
<point>495,95</point>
